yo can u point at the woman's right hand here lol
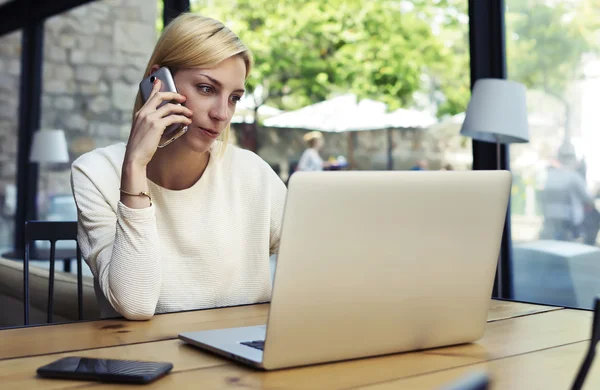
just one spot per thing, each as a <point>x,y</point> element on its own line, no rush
<point>149,124</point>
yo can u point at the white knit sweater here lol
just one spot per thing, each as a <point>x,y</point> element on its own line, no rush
<point>205,246</point>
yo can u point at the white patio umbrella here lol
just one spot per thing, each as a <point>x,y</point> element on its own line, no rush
<point>346,113</point>
<point>244,111</point>
<point>336,115</point>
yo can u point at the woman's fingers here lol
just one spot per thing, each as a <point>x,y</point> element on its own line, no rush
<point>152,104</point>
<point>159,112</point>
<point>157,97</point>
<point>169,120</point>
<point>155,88</point>
<point>171,108</point>
<point>160,97</point>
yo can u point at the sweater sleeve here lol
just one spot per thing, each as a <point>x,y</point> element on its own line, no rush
<point>278,192</point>
<point>120,244</point>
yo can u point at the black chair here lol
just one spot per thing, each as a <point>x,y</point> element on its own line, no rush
<point>475,381</point>
<point>50,231</point>
<point>591,352</point>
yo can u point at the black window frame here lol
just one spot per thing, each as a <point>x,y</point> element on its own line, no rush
<point>487,53</point>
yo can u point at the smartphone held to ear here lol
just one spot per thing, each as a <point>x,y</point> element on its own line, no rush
<point>104,370</point>
<point>163,74</point>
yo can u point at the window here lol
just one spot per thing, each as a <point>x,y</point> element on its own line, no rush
<point>395,72</point>
<point>10,70</point>
<point>94,59</point>
<point>552,48</point>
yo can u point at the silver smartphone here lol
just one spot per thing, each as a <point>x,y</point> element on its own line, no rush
<point>175,130</point>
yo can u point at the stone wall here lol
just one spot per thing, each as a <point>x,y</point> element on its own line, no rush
<point>94,58</point>
<point>10,69</point>
<point>283,147</point>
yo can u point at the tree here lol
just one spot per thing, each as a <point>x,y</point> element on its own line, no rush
<point>546,44</point>
<point>307,50</point>
<point>449,78</point>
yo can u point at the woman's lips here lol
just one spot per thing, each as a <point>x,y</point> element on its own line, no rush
<point>209,132</point>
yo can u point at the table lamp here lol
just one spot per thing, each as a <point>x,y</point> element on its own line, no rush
<point>49,146</point>
<point>497,113</point>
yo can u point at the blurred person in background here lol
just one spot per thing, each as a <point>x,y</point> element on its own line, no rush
<point>311,159</point>
<point>568,207</point>
<point>421,165</point>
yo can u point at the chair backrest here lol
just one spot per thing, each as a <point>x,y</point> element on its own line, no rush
<point>51,231</point>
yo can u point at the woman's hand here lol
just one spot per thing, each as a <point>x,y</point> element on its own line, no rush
<point>148,126</point>
<point>150,122</point>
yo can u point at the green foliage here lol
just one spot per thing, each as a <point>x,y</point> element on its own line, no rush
<point>307,50</point>
<point>159,15</point>
<point>546,41</point>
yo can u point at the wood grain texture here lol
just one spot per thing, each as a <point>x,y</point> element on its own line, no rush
<point>193,368</point>
<point>553,368</point>
<point>80,336</point>
<point>39,340</point>
<point>501,310</point>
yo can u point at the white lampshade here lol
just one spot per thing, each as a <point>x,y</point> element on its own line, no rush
<point>497,112</point>
<point>49,146</point>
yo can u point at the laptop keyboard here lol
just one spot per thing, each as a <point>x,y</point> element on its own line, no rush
<point>258,344</point>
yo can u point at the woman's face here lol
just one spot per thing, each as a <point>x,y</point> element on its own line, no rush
<point>212,94</point>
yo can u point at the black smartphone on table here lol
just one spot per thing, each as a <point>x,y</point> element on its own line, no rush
<point>105,370</point>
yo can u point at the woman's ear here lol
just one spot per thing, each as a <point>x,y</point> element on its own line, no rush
<point>154,68</point>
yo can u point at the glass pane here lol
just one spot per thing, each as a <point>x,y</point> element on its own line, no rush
<point>94,59</point>
<point>388,81</point>
<point>10,71</point>
<point>552,48</point>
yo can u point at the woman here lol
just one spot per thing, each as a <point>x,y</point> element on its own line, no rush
<point>310,159</point>
<point>190,225</point>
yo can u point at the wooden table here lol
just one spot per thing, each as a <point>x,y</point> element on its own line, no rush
<point>524,347</point>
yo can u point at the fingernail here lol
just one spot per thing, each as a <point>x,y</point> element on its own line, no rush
<point>155,81</point>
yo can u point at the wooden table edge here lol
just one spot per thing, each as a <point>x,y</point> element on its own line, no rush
<point>399,380</point>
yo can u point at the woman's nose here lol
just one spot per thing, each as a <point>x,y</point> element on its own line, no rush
<point>219,111</point>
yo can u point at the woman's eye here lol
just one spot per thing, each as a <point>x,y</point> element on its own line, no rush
<point>236,98</point>
<point>205,88</point>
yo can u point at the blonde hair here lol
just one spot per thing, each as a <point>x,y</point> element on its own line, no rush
<point>312,137</point>
<point>196,41</point>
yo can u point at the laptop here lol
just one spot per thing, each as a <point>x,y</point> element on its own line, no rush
<point>375,263</point>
